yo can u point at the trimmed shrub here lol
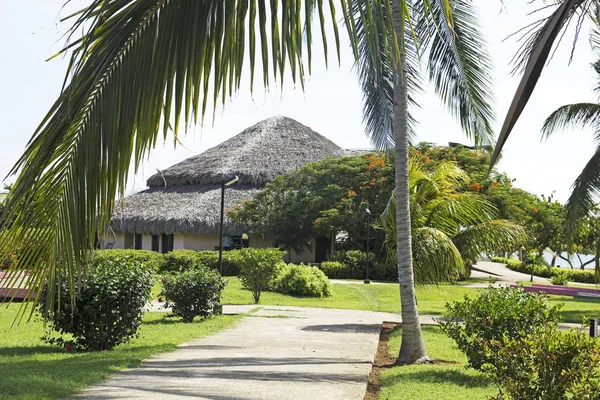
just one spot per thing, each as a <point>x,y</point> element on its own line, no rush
<point>108,307</point>
<point>195,292</point>
<point>497,312</point>
<point>151,259</point>
<point>257,269</point>
<point>335,269</point>
<point>181,260</point>
<point>301,280</point>
<point>571,275</point>
<point>546,364</point>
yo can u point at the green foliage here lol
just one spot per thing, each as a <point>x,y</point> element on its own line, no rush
<point>572,275</point>
<point>546,364</point>
<point>108,307</point>
<point>301,280</point>
<point>321,199</point>
<point>354,266</point>
<point>183,260</point>
<point>495,313</point>
<point>194,292</point>
<point>450,228</point>
<point>335,270</point>
<point>150,259</point>
<point>559,279</point>
<point>257,269</point>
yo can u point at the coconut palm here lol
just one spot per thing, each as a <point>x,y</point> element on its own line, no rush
<point>450,228</point>
<point>457,66</point>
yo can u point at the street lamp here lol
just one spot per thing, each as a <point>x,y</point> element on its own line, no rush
<point>368,214</point>
<point>225,182</point>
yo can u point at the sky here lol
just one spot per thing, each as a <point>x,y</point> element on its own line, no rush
<point>330,104</point>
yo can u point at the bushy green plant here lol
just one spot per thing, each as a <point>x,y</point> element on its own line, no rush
<point>195,292</point>
<point>301,280</point>
<point>151,259</point>
<point>496,312</point>
<point>559,279</point>
<point>108,306</point>
<point>546,364</point>
<point>571,275</point>
<point>257,269</point>
<point>335,269</point>
<point>181,260</point>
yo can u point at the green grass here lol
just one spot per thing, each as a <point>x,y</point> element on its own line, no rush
<point>440,381</point>
<point>31,369</point>
<point>385,297</point>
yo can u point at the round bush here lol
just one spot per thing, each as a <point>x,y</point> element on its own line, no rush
<point>301,280</point>
<point>180,260</point>
<point>496,313</point>
<point>193,293</point>
<point>335,269</point>
<point>108,307</point>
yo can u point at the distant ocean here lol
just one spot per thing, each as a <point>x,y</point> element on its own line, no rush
<point>574,260</point>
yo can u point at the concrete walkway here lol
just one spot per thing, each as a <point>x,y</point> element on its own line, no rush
<point>273,353</point>
<point>501,273</point>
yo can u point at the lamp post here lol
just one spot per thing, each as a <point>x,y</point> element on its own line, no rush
<point>224,183</point>
<point>368,214</point>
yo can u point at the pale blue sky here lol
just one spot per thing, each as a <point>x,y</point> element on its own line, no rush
<point>331,103</point>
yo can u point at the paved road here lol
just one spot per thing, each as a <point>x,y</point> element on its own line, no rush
<point>501,273</point>
<point>274,353</point>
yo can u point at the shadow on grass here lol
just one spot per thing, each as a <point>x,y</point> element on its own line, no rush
<point>46,372</point>
<point>431,374</point>
<point>575,309</point>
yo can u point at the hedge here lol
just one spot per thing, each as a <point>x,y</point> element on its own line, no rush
<point>572,275</point>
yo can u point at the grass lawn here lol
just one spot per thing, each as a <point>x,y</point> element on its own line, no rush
<point>386,298</point>
<point>31,369</point>
<point>440,381</point>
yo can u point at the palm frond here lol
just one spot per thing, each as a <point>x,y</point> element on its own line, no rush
<point>459,67</point>
<point>454,211</point>
<point>490,236</point>
<point>572,116</point>
<point>377,79</point>
<point>585,192</point>
<point>436,258</point>
<point>532,59</point>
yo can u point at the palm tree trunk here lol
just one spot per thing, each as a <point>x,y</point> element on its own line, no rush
<point>412,349</point>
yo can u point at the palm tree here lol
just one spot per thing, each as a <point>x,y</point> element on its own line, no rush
<point>457,65</point>
<point>449,227</point>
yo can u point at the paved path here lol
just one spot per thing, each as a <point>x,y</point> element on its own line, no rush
<point>274,353</point>
<point>500,272</point>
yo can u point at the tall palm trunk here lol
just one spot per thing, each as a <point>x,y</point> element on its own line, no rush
<point>412,349</point>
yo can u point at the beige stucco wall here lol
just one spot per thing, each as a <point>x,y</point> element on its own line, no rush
<point>199,242</point>
<point>209,242</point>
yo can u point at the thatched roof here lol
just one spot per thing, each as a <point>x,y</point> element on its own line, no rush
<point>184,209</point>
<point>258,154</point>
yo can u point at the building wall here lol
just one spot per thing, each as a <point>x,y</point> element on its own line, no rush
<point>209,242</point>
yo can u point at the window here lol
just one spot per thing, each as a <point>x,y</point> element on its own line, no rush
<point>239,242</point>
<point>137,241</point>
<point>167,243</point>
<point>155,243</point>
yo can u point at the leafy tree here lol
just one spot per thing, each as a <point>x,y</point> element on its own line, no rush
<point>321,199</point>
<point>450,227</point>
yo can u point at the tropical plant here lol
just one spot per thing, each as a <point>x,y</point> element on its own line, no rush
<point>449,228</point>
<point>457,63</point>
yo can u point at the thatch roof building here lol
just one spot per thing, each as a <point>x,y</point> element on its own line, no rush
<point>185,199</point>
